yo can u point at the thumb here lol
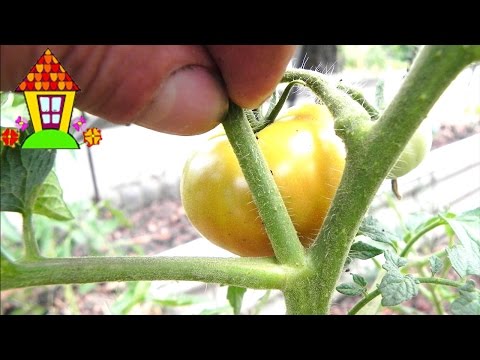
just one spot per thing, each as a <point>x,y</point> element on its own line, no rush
<point>173,89</point>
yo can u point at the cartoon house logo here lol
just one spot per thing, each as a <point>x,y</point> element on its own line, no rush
<point>49,93</point>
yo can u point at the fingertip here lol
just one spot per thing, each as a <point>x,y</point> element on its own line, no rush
<point>190,102</point>
<point>251,72</point>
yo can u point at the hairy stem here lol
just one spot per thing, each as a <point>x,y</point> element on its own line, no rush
<point>359,98</point>
<point>272,115</point>
<point>352,122</point>
<point>31,250</point>
<point>437,303</point>
<point>369,297</point>
<point>373,151</point>
<point>259,273</point>
<point>425,260</point>
<point>267,198</point>
<point>252,120</point>
<point>423,280</point>
<point>440,281</point>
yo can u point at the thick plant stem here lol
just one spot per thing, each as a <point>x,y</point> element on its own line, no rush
<point>369,162</point>
<point>261,273</point>
<point>267,198</point>
<point>31,250</point>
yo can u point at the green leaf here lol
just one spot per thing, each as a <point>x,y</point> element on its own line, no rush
<point>350,289</point>
<point>362,250</point>
<point>136,294</point>
<point>373,229</point>
<point>465,256</point>
<point>358,286</point>
<point>217,311</point>
<point>22,172</point>
<point>464,262</point>
<point>8,269</point>
<point>469,301</point>
<point>18,99</point>
<point>4,98</point>
<point>397,288</point>
<point>181,300</point>
<point>393,261</point>
<point>49,200</point>
<point>436,264</point>
<point>359,280</point>
<point>235,298</point>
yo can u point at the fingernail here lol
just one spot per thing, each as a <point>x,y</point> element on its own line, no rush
<point>191,101</point>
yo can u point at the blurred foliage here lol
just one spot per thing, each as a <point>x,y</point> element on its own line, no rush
<point>378,57</point>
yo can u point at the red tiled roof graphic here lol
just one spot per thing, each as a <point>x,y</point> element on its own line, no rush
<point>47,75</point>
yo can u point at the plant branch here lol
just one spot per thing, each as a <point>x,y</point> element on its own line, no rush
<point>437,303</point>
<point>424,260</point>
<point>352,121</point>
<point>31,250</point>
<point>440,281</point>
<point>418,235</point>
<point>359,98</point>
<point>370,159</point>
<point>369,297</point>
<point>422,280</point>
<point>272,115</point>
<point>258,273</point>
<point>278,225</point>
<point>252,120</point>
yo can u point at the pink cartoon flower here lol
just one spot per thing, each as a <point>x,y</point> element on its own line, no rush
<point>21,123</point>
<point>79,123</point>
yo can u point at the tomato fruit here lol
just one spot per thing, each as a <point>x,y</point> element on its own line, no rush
<point>306,159</point>
<point>414,153</point>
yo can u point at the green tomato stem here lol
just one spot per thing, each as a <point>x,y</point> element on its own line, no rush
<point>372,149</point>
<point>256,273</point>
<point>252,120</point>
<point>359,98</point>
<point>278,225</point>
<point>419,234</point>
<point>425,260</point>
<point>437,303</point>
<point>31,250</point>
<point>352,121</point>
<point>369,297</point>
<point>272,115</point>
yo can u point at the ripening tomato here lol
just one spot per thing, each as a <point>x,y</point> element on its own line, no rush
<point>306,159</point>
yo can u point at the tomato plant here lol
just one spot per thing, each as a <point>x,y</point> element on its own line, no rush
<point>290,210</point>
<point>306,159</point>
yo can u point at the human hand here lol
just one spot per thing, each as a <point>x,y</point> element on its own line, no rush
<point>177,89</point>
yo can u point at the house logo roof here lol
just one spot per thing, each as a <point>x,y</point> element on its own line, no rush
<point>47,75</point>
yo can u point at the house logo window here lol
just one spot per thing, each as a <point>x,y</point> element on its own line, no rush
<point>49,93</point>
<point>51,107</point>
